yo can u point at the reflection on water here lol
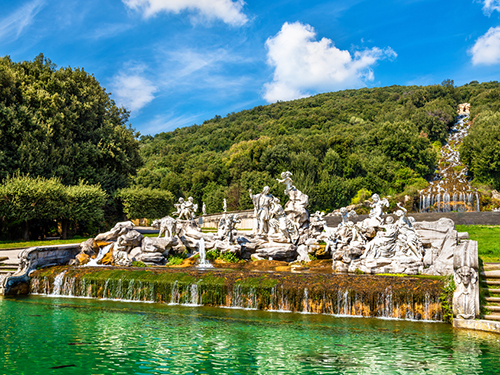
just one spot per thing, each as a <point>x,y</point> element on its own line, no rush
<point>105,337</point>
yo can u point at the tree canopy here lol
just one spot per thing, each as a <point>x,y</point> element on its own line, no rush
<point>59,122</point>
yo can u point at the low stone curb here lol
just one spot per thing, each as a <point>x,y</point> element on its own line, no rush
<point>478,325</point>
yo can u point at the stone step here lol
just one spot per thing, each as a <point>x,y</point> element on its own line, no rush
<point>491,282</point>
<point>493,299</point>
<point>492,317</point>
<point>9,267</point>
<point>493,291</point>
<point>491,266</point>
<point>492,308</point>
<point>491,274</point>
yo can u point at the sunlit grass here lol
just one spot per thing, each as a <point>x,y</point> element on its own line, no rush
<point>488,238</point>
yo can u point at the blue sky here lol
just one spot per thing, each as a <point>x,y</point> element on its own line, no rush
<point>175,63</point>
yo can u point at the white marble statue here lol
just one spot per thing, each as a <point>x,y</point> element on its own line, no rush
<point>224,205</point>
<point>385,242</point>
<point>186,209</point>
<point>346,215</point>
<point>464,297</point>
<point>221,227</point>
<point>377,211</point>
<point>262,208</point>
<point>166,226</point>
<point>204,209</point>
<point>285,179</point>
<point>178,206</point>
<point>280,223</point>
<point>230,231</point>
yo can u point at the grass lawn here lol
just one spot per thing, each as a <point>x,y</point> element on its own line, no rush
<point>22,244</point>
<point>488,238</point>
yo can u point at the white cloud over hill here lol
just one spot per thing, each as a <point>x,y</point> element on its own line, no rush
<point>303,65</point>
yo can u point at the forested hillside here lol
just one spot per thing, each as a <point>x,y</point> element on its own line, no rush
<point>384,139</point>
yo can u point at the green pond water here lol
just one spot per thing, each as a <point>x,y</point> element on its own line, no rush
<point>42,334</point>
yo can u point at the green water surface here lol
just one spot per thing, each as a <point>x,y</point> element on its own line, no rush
<point>40,334</point>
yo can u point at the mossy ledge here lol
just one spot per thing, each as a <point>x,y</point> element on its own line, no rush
<point>356,295</point>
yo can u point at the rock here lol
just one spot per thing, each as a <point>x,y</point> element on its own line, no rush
<point>277,251</point>
<point>303,254</point>
<point>89,247</point>
<point>430,256</point>
<point>495,195</point>
<point>157,244</point>
<point>82,259</point>
<point>156,258</point>
<point>108,258</point>
<point>118,230</point>
<point>255,257</point>
<point>340,267</point>
<point>120,258</point>
<point>126,242</point>
<point>134,252</point>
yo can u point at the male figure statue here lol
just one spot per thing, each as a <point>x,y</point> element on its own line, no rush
<point>262,209</point>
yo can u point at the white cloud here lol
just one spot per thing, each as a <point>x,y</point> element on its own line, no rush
<point>486,50</point>
<point>109,30</point>
<point>132,90</point>
<point>13,25</point>
<point>490,6</point>
<point>168,122</point>
<point>230,12</point>
<point>304,65</point>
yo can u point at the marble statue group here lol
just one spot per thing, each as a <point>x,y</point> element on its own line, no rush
<point>380,243</point>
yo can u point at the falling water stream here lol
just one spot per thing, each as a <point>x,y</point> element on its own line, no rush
<point>450,189</point>
<point>204,263</point>
<point>342,302</point>
<point>102,252</point>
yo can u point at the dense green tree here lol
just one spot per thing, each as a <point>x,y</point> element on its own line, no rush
<point>24,199</point>
<point>147,203</point>
<point>481,149</point>
<point>62,123</point>
<point>83,203</point>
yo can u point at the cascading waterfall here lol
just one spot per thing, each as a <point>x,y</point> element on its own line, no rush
<point>449,189</point>
<point>204,263</point>
<point>102,252</point>
<point>390,302</point>
<point>58,283</point>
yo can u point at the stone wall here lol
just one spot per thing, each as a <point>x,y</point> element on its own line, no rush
<point>246,216</point>
<point>35,258</point>
<point>460,218</point>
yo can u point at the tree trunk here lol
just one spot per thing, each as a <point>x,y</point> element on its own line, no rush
<point>65,224</point>
<point>26,235</point>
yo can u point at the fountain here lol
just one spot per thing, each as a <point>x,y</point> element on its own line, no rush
<point>382,243</point>
<point>449,189</point>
